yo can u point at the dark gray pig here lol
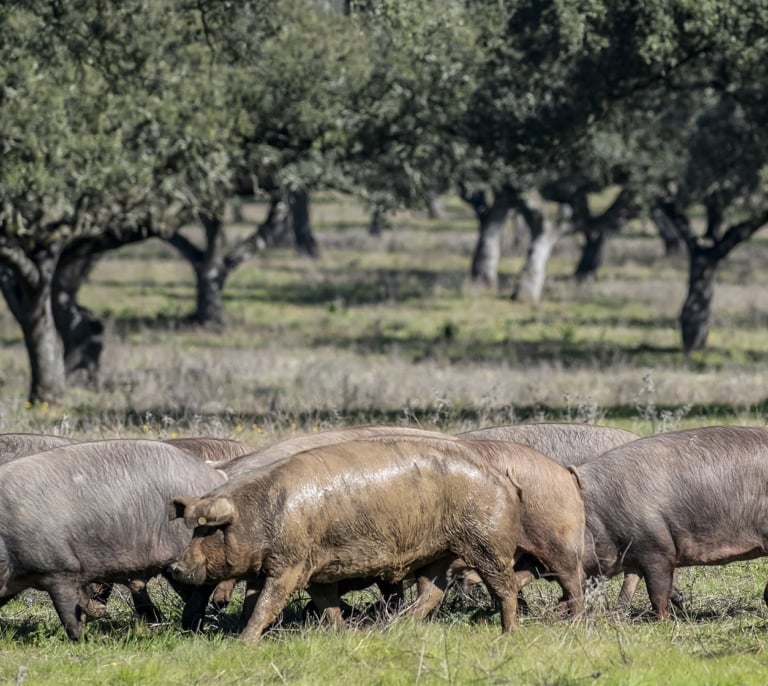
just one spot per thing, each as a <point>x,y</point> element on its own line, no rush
<point>677,499</point>
<point>14,445</point>
<point>566,443</point>
<point>96,512</point>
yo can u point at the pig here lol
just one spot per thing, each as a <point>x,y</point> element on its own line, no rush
<point>14,445</point>
<point>95,512</point>
<point>553,521</point>
<point>566,443</point>
<point>211,449</point>
<point>360,509</point>
<point>569,444</point>
<point>681,498</point>
<point>267,457</point>
<point>559,556</point>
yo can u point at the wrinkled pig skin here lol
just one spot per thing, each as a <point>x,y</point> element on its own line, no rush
<point>96,512</point>
<point>681,498</point>
<point>15,445</point>
<point>212,449</point>
<point>570,444</point>
<point>360,509</point>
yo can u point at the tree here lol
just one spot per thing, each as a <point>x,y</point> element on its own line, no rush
<point>289,71</point>
<point>101,147</point>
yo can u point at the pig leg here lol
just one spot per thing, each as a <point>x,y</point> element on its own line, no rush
<point>271,601</point>
<point>503,587</point>
<point>193,613</point>
<point>431,582</point>
<point>252,590</point>
<point>659,580</point>
<point>326,600</point>
<point>222,594</point>
<point>67,599</point>
<point>142,602</point>
<point>629,587</point>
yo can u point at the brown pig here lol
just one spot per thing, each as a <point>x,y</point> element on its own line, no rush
<point>568,444</point>
<point>681,498</point>
<point>361,509</point>
<point>266,457</point>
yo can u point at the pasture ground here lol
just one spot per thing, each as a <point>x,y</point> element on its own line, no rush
<point>389,329</point>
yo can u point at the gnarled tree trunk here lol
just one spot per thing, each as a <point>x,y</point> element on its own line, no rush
<point>306,244</point>
<point>695,315</point>
<point>26,284</point>
<point>546,231</point>
<point>82,333</point>
<point>492,219</point>
<point>673,244</point>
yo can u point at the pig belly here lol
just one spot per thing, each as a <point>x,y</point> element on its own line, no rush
<point>713,552</point>
<point>346,564</point>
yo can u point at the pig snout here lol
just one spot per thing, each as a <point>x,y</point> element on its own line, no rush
<point>180,572</point>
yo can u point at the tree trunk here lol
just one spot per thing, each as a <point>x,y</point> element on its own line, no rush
<point>694,318</point>
<point>591,255</point>
<point>209,280</point>
<point>434,206</point>
<point>545,233</point>
<point>485,258</point>
<point>306,244</point>
<point>82,333</point>
<point>31,305</point>
<point>378,221</point>
<point>673,244</point>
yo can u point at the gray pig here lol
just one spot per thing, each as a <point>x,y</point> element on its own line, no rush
<point>95,512</point>
<point>677,499</point>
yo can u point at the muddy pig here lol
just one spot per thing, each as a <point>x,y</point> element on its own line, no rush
<point>360,509</point>
<point>265,458</point>
<point>682,498</point>
<point>95,512</point>
<point>569,444</point>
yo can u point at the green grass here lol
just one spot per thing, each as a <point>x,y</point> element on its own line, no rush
<point>720,640</point>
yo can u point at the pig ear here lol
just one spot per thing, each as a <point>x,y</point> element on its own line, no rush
<point>177,506</point>
<point>216,512</point>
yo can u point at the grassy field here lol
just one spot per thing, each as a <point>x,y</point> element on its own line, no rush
<point>390,330</point>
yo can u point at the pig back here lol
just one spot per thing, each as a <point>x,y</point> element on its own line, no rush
<point>566,443</point>
<point>210,448</point>
<point>15,445</point>
<point>266,458</point>
<point>98,509</point>
<point>367,503</point>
